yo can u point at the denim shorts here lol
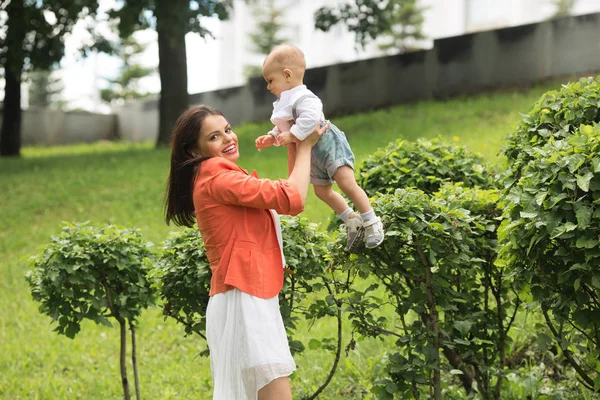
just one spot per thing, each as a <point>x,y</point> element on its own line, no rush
<point>331,152</point>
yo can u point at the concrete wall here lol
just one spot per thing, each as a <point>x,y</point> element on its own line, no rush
<point>46,127</point>
<point>462,64</point>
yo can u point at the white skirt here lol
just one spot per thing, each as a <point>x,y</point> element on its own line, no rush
<point>247,342</point>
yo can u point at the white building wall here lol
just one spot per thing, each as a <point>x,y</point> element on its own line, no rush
<point>443,18</point>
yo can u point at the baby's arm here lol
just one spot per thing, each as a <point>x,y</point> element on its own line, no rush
<point>275,133</point>
<point>309,112</point>
<point>268,140</point>
<point>264,141</point>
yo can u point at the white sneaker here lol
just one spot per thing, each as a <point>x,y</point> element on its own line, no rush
<point>374,233</point>
<point>354,232</point>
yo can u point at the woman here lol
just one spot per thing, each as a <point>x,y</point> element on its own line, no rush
<point>237,217</point>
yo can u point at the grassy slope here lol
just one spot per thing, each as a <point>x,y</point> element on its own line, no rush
<point>123,184</point>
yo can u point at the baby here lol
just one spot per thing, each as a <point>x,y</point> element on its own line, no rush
<point>296,114</point>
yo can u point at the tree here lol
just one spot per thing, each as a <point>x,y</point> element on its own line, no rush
<point>45,89</point>
<point>33,39</point>
<point>172,21</point>
<point>406,24</point>
<point>366,18</point>
<point>95,273</point>
<point>125,86</point>
<point>267,31</point>
<point>369,19</point>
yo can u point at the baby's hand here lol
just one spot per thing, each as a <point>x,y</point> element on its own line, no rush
<point>286,138</point>
<point>264,141</point>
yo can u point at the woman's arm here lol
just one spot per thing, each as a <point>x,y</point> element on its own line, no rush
<point>291,153</point>
<point>228,184</point>
<point>300,174</point>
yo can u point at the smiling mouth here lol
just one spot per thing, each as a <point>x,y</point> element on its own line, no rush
<point>229,149</point>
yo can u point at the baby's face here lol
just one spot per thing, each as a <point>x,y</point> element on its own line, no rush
<point>276,79</point>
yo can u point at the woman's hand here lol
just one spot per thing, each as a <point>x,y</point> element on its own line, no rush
<point>314,137</point>
<point>286,138</point>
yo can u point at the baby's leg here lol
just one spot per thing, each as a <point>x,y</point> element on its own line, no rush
<point>331,198</point>
<point>374,235</point>
<point>354,229</point>
<point>344,177</point>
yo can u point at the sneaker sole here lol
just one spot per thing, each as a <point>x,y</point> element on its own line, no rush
<point>358,240</point>
<point>376,244</point>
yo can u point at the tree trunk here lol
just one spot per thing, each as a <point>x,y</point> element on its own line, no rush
<point>123,360</point>
<point>436,381</point>
<point>10,133</point>
<point>136,376</point>
<point>171,25</point>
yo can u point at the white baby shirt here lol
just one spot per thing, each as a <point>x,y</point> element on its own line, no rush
<point>309,112</point>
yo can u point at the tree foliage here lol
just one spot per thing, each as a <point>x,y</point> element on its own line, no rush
<point>268,26</point>
<point>401,20</point>
<point>435,270</point>
<point>406,26</point>
<point>268,31</point>
<point>556,115</point>
<point>183,275</point>
<point>126,85</point>
<point>550,239</point>
<point>424,164</point>
<point>45,89</point>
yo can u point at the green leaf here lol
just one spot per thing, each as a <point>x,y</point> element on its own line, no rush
<point>586,242</point>
<point>463,326</point>
<point>104,321</point>
<point>584,215</point>
<point>540,197</point>
<point>596,281</point>
<point>583,181</point>
<point>596,165</point>
<point>528,214</point>
<point>72,330</point>
<point>391,388</point>
<point>569,226</point>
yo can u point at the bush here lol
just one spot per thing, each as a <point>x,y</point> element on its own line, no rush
<point>92,272</point>
<point>551,239</point>
<point>183,273</point>
<point>436,266</point>
<point>557,114</point>
<point>425,165</point>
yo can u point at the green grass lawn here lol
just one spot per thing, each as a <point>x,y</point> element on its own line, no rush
<point>123,184</point>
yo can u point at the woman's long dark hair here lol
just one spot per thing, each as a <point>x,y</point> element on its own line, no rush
<point>179,202</point>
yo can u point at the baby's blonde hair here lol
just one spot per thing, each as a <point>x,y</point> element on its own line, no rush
<point>287,56</point>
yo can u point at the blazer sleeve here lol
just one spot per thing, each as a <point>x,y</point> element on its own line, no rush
<point>231,185</point>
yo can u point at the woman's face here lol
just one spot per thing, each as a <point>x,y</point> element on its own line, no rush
<point>217,139</point>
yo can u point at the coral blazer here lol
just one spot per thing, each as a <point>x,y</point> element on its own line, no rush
<point>238,229</point>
